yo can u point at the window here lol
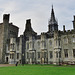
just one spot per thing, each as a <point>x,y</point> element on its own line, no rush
<point>17,55</point>
<point>8,47</point>
<point>27,55</point>
<point>74,53</point>
<point>59,54</point>
<point>30,44</point>
<point>38,44</point>
<point>51,54</point>
<point>17,46</point>
<point>66,53</point>
<point>44,44</point>
<point>27,45</point>
<point>56,43</point>
<point>42,54</point>
<point>45,54</point>
<point>73,39</point>
<point>33,44</point>
<point>32,54</point>
<point>38,55</point>
<point>12,56</point>
<point>56,54</point>
<point>65,40</point>
<point>50,42</point>
<point>59,42</point>
<point>12,46</point>
<point>33,38</point>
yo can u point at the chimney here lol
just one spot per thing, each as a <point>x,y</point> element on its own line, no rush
<point>6,17</point>
<point>28,25</point>
<point>28,21</point>
<point>64,28</point>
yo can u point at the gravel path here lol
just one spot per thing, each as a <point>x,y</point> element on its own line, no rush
<point>6,65</point>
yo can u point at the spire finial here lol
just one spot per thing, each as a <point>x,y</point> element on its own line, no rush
<point>52,6</point>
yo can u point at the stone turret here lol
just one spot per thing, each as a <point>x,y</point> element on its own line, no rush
<point>5,35</point>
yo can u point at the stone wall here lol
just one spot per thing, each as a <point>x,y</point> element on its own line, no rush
<point>1,40</point>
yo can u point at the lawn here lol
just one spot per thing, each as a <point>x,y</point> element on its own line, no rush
<point>37,70</point>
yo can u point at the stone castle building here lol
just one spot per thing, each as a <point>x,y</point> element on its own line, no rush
<point>51,47</point>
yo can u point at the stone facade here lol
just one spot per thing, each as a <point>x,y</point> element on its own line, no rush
<point>51,47</point>
<point>7,32</point>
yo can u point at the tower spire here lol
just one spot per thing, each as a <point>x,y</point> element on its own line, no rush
<point>52,19</point>
<point>53,24</point>
<point>52,6</point>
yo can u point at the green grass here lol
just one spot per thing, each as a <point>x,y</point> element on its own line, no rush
<point>37,70</point>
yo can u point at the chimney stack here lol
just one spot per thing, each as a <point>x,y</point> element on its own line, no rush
<point>64,28</point>
<point>6,17</point>
<point>28,25</point>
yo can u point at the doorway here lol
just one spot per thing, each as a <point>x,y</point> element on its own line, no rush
<point>7,59</point>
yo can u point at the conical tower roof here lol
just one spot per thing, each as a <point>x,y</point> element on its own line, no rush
<point>52,19</point>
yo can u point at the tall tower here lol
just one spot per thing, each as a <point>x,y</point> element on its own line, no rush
<point>5,36</point>
<point>53,24</point>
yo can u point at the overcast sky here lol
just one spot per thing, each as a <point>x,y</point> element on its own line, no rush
<point>39,11</point>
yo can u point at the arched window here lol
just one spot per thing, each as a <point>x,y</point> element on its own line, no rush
<point>50,42</point>
<point>38,44</point>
